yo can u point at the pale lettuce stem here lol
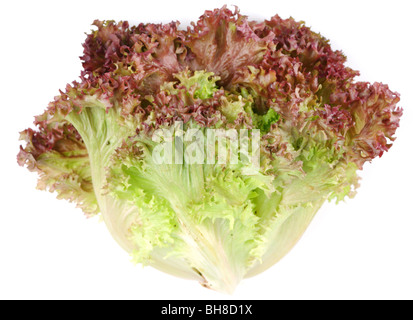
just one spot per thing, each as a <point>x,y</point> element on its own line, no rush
<point>99,137</point>
<point>282,235</point>
<point>208,256</point>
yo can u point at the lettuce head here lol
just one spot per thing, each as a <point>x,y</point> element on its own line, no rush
<point>207,151</point>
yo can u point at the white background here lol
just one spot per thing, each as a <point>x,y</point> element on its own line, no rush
<point>361,249</point>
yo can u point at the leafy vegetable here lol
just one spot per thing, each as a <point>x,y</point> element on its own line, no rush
<point>208,151</point>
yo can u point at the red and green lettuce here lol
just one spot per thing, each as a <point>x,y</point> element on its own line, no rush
<point>213,222</point>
